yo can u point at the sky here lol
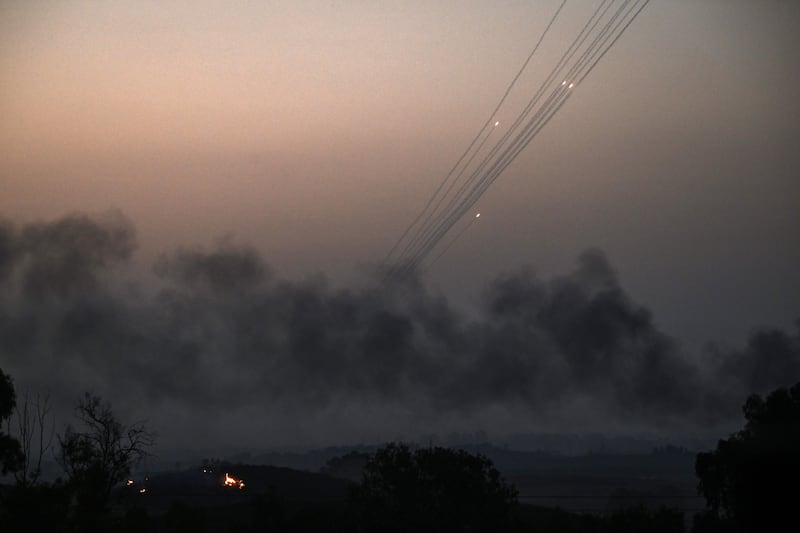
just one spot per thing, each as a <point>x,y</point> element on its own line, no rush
<point>285,141</point>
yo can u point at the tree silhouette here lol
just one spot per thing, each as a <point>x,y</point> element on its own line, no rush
<point>431,489</point>
<point>11,457</point>
<point>101,454</point>
<point>35,437</point>
<point>750,480</point>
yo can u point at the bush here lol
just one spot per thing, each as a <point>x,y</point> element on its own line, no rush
<point>746,479</point>
<point>431,489</point>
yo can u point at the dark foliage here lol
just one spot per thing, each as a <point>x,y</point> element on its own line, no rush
<point>269,513</point>
<point>431,489</point>
<point>39,507</point>
<point>182,518</point>
<point>747,481</point>
<point>633,520</point>
<point>137,519</point>
<point>100,454</point>
<point>11,458</point>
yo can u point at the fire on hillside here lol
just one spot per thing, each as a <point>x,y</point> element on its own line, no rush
<point>230,481</point>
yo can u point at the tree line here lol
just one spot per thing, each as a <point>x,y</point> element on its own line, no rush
<point>746,482</point>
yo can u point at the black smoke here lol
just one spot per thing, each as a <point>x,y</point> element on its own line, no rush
<point>221,333</point>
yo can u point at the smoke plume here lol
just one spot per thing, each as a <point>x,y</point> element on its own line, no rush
<point>221,334</point>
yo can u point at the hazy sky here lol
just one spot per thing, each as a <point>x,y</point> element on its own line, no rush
<point>315,131</point>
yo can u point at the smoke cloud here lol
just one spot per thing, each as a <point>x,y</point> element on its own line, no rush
<point>221,333</point>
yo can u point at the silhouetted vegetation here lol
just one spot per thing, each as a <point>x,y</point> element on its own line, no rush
<point>750,480</point>
<point>100,454</point>
<point>26,506</point>
<point>431,489</point>
<point>182,518</point>
<point>394,489</point>
<point>634,520</point>
<point>35,507</point>
<point>11,457</point>
<point>36,429</point>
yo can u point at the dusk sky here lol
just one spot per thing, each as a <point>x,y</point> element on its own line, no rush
<point>314,132</point>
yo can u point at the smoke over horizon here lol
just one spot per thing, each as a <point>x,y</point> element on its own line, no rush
<point>223,343</point>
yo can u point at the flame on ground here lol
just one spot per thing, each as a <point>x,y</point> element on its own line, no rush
<point>231,481</point>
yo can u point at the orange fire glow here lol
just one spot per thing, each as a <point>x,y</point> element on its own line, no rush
<point>142,491</point>
<point>231,481</point>
<point>129,482</point>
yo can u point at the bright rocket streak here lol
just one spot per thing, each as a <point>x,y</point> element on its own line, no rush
<point>571,85</point>
<point>496,123</point>
<point>478,215</point>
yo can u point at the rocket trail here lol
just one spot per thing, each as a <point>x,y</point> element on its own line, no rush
<point>601,31</point>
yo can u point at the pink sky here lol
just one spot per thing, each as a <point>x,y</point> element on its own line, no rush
<point>316,131</point>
